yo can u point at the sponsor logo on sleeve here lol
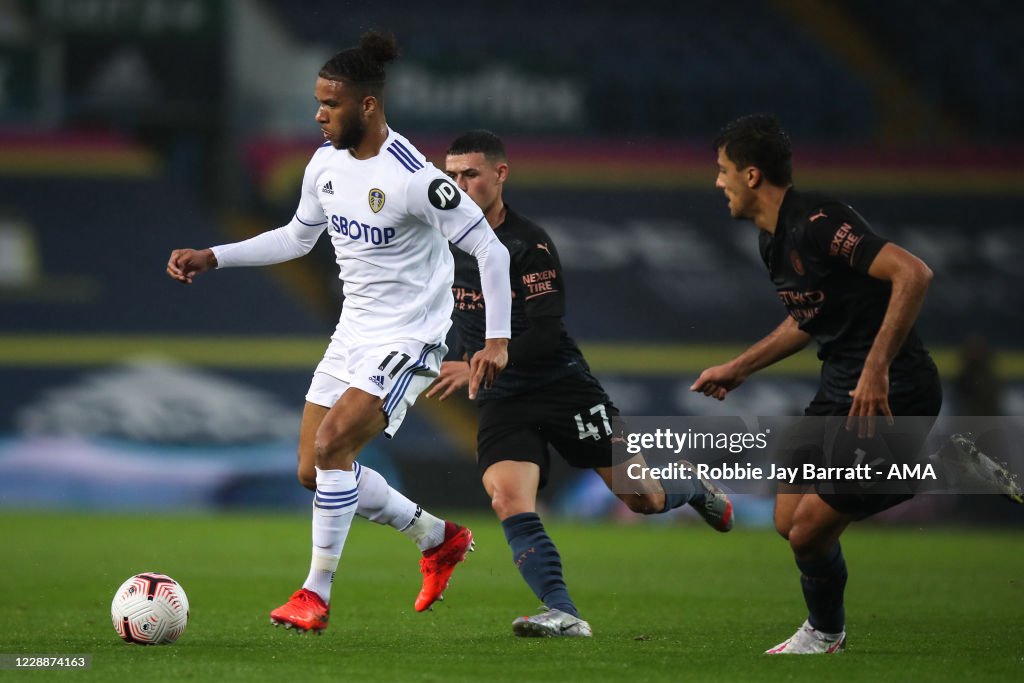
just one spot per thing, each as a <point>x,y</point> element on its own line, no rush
<point>844,243</point>
<point>443,195</point>
<point>540,283</point>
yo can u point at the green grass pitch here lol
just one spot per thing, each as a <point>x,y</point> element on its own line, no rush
<point>668,602</point>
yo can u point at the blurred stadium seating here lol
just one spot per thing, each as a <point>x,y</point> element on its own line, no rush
<point>655,68</point>
<point>964,57</point>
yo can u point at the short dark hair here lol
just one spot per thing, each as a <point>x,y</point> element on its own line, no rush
<point>482,141</point>
<point>363,66</point>
<point>758,140</point>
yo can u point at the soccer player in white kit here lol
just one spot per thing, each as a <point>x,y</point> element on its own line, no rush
<point>390,214</point>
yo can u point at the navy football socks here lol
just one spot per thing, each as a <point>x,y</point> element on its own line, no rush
<point>692,492</point>
<point>824,581</point>
<point>537,559</point>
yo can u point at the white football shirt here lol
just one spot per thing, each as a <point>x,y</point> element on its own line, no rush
<point>390,218</point>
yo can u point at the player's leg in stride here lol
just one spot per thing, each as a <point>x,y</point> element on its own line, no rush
<point>813,528</point>
<point>439,561</point>
<point>443,544</point>
<point>349,425</point>
<point>648,496</point>
<point>512,486</point>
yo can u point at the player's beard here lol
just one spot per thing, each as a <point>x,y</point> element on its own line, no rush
<point>352,133</point>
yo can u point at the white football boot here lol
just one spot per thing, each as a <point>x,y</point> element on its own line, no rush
<point>967,467</point>
<point>551,623</point>
<point>810,641</point>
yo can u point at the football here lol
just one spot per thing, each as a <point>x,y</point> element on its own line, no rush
<point>150,609</point>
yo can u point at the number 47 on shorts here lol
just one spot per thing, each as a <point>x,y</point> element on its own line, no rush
<point>588,430</point>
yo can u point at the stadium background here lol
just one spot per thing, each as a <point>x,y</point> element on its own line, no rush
<point>131,128</point>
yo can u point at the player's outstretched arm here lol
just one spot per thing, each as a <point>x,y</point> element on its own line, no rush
<point>487,364</point>
<point>910,278</point>
<point>493,261</point>
<point>453,376</point>
<point>185,264</point>
<point>784,341</point>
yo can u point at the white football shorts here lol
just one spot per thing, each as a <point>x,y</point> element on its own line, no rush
<point>396,371</point>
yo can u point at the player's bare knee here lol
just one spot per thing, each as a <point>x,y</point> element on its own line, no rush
<point>798,542</point>
<point>505,505</point>
<point>307,477</point>
<point>807,542</point>
<point>335,447</point>
<point>498,505</point>
<point>783,527</point>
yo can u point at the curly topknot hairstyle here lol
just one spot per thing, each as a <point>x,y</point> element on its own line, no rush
<point>363,66</point>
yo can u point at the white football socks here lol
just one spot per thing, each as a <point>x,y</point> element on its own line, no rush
<point>380,503</point>
<point>334,506</point>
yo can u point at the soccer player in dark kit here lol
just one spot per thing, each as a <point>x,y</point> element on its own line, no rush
<point>858,295</point>
<point>546,395</point>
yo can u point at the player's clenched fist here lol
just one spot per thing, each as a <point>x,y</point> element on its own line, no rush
<point>185,264</point>
<point>718,381</point>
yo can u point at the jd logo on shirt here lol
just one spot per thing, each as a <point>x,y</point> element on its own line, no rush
<point>443,195</point>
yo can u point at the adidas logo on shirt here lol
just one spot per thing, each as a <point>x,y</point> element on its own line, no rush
<point>327,188</point>
<point>378,380</point>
